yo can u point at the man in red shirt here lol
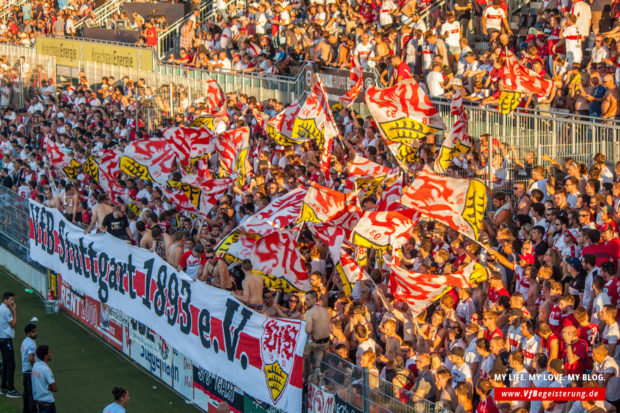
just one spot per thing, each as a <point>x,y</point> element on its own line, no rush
<point>576,358</point>
<point>599,250</point>
<point>496,288</point>
<point>611,241</point>
<point>401,70</point>
<point>612,283</point>
<point>192,262</point>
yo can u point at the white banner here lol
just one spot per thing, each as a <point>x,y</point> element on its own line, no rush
<point>319,401</point>
<point>217,332</point>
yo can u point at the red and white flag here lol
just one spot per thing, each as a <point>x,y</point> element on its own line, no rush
<point>383,229</point>
<point>518,78</point>
<point>458,203</point>
<point>206,195</point>
<point>357,77</point>
<point>419,290</point>
<point>311,119</point>
<point>55,154</point>
<point>280,127</point>
<point>365,174</point>
<point>457,142</point>
<point>215,98</point>
<point>403,114</point>
<point>279,214</point>
<point>149,159</point>
<point>326,205</point>
<point>228,146</point>
<point>331,132</point>
<point>390,198</point>
<point>349,272</point>
<point>189,144</point>
<point>275,256</point>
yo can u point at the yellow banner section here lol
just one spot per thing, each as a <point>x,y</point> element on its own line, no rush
<point>72,52</point>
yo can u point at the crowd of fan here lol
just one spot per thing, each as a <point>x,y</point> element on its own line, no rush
<point>551,242</point>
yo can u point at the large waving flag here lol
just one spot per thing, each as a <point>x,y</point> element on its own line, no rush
<point>275,256</point>
<point>357,77</point>
<point>383,229</point>
<point>211,123</point>
<point>228,146</point>
<point>215,98</point>
<point>458,203</point>
<point>148,159</point>
<point>516,80</point>
<point>189,144</point>
<point>403,113</point>
<point>242,165</point>
<point>365,174</point>
<point>204,196</point>
<point>349,272</point>
<point>280,127</point>
<point>103,171</point>
<point>457,142</point>
<point>326,205</point>
<point>419,290</point>
<point>311,119</point>
<point>55,154</point>
<point>279,214</point>
<point>390,198</point>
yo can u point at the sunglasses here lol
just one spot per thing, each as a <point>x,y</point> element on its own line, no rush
<point>210,257</point>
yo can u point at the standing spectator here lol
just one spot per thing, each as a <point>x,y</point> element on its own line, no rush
<point>43,383</point>
<point>8,321</point>
<point>121,399</point>
<point>117,224</point>
<point>28,348</point>
<point>493,18</point>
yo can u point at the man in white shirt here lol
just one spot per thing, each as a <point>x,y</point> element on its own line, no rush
<point>520,377</point>
<point>582,11</point>
<point>571,38</point>
<point>435,82</point>
<point>8,321</point>
<point>365,52</point>
<point>43,383</point>
<point>451,33</point>
<point>493,18</point>
<point>608,368</point>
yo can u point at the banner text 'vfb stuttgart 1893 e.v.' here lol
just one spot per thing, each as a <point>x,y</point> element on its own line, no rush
<point>261,355</point>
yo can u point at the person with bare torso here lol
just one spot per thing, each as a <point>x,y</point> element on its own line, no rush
<point>100,210</point>
<point>71,203</point>
<point>253,285</point>
<point>216,272</point>
<point>318,320</point>
<point>175,251</point>
<point>146,238</point>
<point>611,105</point>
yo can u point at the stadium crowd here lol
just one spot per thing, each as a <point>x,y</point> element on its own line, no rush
<point>550,241</point>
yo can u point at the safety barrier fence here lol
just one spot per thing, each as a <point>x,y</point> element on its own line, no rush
<point>327,377</point>
<point>102,14</point>
<point>556,134</point>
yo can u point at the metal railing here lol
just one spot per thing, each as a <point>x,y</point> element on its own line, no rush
<point>102,13</point>
<point>168,40</point>
<point>543,133</point>
<point>358,389</point>
<point>5,8</point>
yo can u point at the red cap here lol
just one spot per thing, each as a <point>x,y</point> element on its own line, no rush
<point>529,258</point>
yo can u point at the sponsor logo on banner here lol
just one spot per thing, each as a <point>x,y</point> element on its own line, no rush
<point>211,390</point>
<point>206,324</point>
<point>319,401</point>
<point>91,313</point>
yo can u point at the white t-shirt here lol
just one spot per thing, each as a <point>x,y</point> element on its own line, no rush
<point>520,379</point>
<point>597,305</point>
<point>494,17</point>
<point>609,365</point>
<point>611,334</point>
<point>385,18</point>
<point>364,52</point>
<point>583,12</point>
<point>530,348</point>
<point>434,80</point>
<point>573,44</point>
<point>452,32</point>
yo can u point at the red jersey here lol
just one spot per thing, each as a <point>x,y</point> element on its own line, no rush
<point>612,288</point>
<point>589,334</point>
<point>495,294</point>
<point>546,343</point>
<point>555,319</point>
<point>487,406</point>
<point>580,348</point>
<point>497,332</point>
